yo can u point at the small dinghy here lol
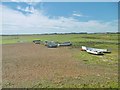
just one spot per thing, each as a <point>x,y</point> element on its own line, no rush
<point>100,50</point>
<point>94,52</point>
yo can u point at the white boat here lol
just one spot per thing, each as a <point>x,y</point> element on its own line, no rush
<point>99,50</point>
<point>94,52</point>
<point>84,48</point>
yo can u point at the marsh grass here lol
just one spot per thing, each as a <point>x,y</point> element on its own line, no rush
<point>109,61</point>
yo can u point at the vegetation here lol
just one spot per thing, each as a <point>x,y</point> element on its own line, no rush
<point>109,61</point>
<point>108,41</point>
<point>75,38</point>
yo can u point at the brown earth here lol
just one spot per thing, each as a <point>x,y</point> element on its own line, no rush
<point>27,63</point>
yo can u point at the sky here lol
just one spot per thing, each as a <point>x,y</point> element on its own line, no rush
<point>58,17</point>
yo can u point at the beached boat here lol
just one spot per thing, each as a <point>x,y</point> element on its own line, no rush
<point>92,51</point>
<point>65,44</point>
<point>84,48</point>
<point>95,50</point>
<point>99,50</point>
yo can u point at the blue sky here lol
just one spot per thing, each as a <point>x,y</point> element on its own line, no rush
<point>60,17</point>
<point>96,11</point>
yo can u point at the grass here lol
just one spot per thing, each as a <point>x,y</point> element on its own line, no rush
<point>69,83</point>
<point>109,41</point>
<point>96,85</point>
<point>110,38</point>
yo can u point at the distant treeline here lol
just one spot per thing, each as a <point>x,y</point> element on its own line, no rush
<point>81,33</point>
<point>62,33</point>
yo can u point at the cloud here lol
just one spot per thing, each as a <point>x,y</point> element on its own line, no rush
<point>19,8</point>
<point>28,9</point>
<point>78,15</point>
<point>0,20</point>
<point>15,22</point>
<point>25,1</point>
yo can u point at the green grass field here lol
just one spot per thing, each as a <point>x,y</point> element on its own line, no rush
<point>108,41</point>
<point>75,38</point>
<point>105,41</point>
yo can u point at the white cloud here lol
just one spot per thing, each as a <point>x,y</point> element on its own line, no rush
<point>28,9</point>
<point>14,0</point>
<point>24,1</point>
<point>64,0</point>
<point>0,21</point>
<point>78,15</point>
<point>15,22</point>
<point>19,8</point>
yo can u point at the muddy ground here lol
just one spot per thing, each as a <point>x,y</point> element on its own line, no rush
<point>27,64</point>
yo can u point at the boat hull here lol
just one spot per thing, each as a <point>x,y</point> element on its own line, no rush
<point>95,52</point>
